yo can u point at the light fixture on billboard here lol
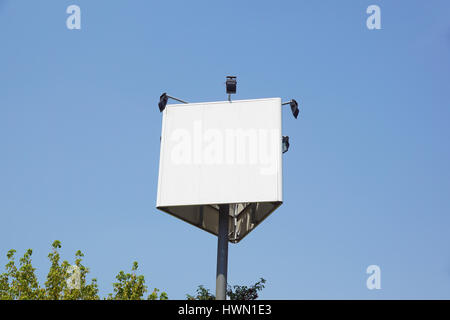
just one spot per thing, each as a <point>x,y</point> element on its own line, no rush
<point>163,101</point>
<point>294,107</point>
<point>285,143</point>
<point>231,86</point>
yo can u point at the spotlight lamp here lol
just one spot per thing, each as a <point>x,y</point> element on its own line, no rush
<point>163,101</point>
<point>294,107</point>
<point>285,143</point>
<point>231,84</point>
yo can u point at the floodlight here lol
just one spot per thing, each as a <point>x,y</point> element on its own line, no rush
<point>231,84</point>
<point>285,143</point>
<point>163,101</point>
<point>294,108</point>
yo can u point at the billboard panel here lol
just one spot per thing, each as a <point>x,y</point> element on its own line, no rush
<point>221,153</point>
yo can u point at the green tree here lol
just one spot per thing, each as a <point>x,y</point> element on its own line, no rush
<point>20,282</point>
<point>56,286</point>
<point>202,294</point>
<point>131,286</point>
<point>234,293</point>
<point>244,292</point>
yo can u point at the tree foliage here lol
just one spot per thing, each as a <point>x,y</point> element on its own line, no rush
<point>202,294</point>
<point>132,287</point>
<point>20,282</point>
<point>233,292</point>
<point>244,292</point>
<point>57,286</point>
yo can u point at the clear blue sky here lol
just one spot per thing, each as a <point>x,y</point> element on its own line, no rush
<point>366,180</point>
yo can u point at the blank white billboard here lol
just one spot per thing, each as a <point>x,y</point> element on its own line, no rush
<point>221,153</point>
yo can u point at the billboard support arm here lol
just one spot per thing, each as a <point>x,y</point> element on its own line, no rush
<point>222,253</point>
<point>176,99</point>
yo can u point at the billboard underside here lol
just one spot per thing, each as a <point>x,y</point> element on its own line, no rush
<point>242,217</point>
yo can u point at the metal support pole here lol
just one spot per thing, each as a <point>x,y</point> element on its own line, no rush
<point>222,253</point>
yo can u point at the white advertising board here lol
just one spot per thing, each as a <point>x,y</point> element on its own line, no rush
<point>221,153</point>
